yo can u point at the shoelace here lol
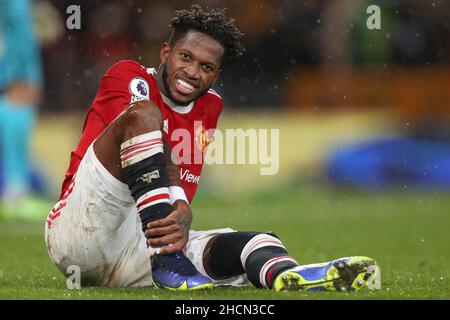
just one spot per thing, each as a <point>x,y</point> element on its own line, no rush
<point>175,262</point>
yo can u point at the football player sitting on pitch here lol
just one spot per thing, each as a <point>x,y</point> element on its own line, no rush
<point>122,196</point>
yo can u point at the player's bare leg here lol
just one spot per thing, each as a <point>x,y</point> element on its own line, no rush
<point>132,150</point>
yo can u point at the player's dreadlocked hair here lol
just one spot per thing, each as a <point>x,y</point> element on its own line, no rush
<point>212,22</point>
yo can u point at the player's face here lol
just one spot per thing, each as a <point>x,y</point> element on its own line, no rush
<point>191,67</point>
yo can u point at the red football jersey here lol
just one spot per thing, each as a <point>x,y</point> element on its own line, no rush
<point>127,81</point>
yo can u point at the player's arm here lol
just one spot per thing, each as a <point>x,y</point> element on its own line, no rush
<point>119,87</point>
<point>171,234</point>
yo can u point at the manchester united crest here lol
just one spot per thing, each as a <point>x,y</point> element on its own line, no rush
<point>202,138</point>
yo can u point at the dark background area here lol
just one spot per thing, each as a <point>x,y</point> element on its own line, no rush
<point>281,37</point>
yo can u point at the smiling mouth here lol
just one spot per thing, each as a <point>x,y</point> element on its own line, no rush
<point>184,88</point>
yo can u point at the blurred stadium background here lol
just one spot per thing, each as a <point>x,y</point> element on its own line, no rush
<point>312,69</point>
<point>361,111</point>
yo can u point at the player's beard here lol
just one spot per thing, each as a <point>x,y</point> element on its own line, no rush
<point>165,77</point>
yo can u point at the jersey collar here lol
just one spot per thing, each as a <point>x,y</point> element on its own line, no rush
<point>177,108</point>
<point>170,103</point>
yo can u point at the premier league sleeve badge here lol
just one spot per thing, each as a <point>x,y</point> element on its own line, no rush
<point>139,90</point>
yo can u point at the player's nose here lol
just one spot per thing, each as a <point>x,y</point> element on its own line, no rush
<point>193,71</point>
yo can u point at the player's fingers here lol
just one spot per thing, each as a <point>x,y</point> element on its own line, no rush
<point>172,249</point>
<point>164,241</point>
<point>161,223</point>
<point>162,231</point>
<point>177,246</point>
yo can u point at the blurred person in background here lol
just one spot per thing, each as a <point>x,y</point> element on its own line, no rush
<point>20,91</point>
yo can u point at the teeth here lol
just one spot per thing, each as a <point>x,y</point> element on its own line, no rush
<point>185,85</point>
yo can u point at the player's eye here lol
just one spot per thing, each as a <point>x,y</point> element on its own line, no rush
<point>207,68</point>
<point>185,56</point>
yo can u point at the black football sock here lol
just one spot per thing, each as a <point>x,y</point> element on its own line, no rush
<point>265,264</point>
<point>144,170</point>
<point>224,255</point>
<point>261,256</point>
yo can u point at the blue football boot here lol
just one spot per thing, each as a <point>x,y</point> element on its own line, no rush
<point>344,274</point>
<point>176,272</point>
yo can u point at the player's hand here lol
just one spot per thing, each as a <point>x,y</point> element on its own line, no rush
<point>171,234</point>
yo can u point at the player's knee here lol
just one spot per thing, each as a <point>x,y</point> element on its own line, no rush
<point>141,117</point>
<point>228,252</point>
<point>239,241</point>
<point>259,241</point>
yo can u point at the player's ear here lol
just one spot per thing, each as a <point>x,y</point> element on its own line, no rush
<point>219,70</point>
<point>216,76</point>
<point>164,53</point>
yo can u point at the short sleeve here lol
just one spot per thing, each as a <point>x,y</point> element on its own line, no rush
<point>125,82</point>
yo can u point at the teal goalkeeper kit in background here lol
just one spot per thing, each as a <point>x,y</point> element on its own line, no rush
<point>20,62</point>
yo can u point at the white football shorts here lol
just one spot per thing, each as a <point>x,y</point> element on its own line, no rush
<point>95,226</point>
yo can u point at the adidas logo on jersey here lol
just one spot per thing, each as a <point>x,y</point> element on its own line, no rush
<point>166,126</point>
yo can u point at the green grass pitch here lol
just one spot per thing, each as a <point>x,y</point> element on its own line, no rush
<point>408,234</point>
